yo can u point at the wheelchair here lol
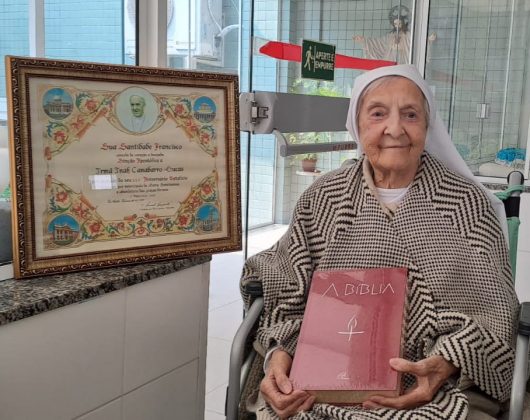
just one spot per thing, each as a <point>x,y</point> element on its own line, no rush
<point>245,361</point>
<point>266,111</point>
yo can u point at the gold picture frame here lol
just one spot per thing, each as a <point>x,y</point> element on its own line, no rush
<point>117,164</point>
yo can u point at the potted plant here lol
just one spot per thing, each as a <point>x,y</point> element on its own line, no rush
<point>311,87</point>
<point>308,161</point>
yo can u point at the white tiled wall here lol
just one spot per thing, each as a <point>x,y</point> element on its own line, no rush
<point>169,397</point>
<point>109,411</point>
<point>480,35</point>
<point>136,353</point>
<point>489,66</point>
<point>160,334</point>
<point>65,351</point>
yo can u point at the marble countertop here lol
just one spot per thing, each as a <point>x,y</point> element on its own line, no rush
<point>24,298</point>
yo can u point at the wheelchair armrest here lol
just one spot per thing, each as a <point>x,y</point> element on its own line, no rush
<point>521,364</point>
<point>237,351</point>
<point>254,289</point>
<point>524,319</point>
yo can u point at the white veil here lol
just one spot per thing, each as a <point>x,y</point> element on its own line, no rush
<point>438,142</point>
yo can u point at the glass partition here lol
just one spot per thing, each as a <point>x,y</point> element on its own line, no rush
<point>476,61</point>
<point>203,35</point>
<point>73,29</point>
<point>367,29</point>
<point>86,30</point>
<point>478,66</point>
<point>65,29</point>
<point>14,40</point>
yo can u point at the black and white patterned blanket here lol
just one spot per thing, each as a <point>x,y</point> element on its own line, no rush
<point>461,304</point>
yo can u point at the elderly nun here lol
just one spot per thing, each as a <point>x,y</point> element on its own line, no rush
<point>409,201</point>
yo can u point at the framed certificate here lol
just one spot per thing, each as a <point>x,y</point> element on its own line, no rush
<point>119,164</point>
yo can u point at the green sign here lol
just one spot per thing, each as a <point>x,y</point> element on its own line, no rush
<point>318,60</point>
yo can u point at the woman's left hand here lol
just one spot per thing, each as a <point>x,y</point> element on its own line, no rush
<point>431,373</point>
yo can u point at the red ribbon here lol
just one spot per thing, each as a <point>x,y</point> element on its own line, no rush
<point>291,52</point>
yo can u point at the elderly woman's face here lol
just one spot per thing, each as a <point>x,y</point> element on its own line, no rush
<point>392,126</point>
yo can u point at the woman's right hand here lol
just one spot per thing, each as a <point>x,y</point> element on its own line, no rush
<point>278,390</point>
<point>358,38</point>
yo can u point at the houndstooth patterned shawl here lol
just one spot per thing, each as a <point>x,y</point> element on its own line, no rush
<point>462,303</point>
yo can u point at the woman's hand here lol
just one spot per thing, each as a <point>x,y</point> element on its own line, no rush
<point>431,373</point>
<point>278,390</point>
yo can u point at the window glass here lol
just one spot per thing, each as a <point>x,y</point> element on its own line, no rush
<point>379,29</point>
<point>86,30</point>
<point>478,66</point>
<point>14,40</point>
<point>203,35</point>
<point>73,29</point>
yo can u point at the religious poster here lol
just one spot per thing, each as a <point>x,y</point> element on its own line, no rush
<point>121,164</point>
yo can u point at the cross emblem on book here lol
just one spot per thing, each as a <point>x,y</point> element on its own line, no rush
<point>352,324</point>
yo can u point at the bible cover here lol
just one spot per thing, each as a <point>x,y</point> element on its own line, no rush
<point>352,326</point>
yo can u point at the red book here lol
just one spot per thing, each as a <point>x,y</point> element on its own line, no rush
<point>352,327</point>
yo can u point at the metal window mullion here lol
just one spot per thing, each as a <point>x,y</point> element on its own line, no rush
<point>190,33</point>
<point>152,33</point>
<point>36,28</point>
<point>420,24</point>
<point>507,78</point>
<point>459,17</point>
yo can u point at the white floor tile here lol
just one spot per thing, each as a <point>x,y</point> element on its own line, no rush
<point>217,361</point>
<point>522,284</point>
<point>524,228</point>
<point>226,313</point>
<point>225,273</point>
<point>263,238</point>
<point>215,400</point>
<point>223,322</point>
